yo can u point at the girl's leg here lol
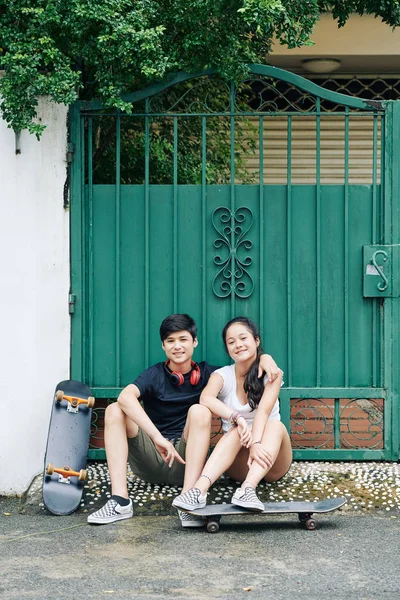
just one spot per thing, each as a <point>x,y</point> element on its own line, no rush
<point>239,468</point>
<point>273,436</point>
<point>221,458</point>
<point>276,441</point>
<point>284,458</point>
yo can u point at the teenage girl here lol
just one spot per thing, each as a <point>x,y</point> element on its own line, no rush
<point>255,444</point>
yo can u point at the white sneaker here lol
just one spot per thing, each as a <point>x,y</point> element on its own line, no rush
<point>111,511</point>
<point>190,500</point>
<point>247,498</point>
<point>188,520</point>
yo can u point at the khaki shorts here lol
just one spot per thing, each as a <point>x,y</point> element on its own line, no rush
<point>147,463</point>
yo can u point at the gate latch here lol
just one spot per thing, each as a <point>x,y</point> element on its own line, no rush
<point>381,271</point>
<point>70,152</point>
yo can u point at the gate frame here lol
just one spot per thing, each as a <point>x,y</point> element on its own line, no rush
<point>390,182</point>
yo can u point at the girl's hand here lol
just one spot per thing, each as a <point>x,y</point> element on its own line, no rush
<point>259,454</point>
<point>244,432</point>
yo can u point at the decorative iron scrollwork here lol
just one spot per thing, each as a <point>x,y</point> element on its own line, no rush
<point>362,423</point>
<point>233,276</point>
<point>311,423</point>
<point>195,97</point>
<point>359,423</point>
<point>264,95</point>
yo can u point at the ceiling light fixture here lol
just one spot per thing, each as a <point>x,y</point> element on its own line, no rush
<point>321,65</point>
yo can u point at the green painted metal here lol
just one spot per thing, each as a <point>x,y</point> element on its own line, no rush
<point>289,250</point>
<point>346,247</point>
<point>261,218</point>
<point>90,247</point>
<point>77,223</point>
<point>288,255</point>
<point>203,223</point>
<point>117,268</point>
<point>318,247</point>
<point>256,69</point>
<point>147,238</point>
<point>337,424</point>
<point>391,334</point>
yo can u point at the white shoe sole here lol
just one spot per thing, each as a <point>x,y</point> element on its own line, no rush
<point>248,506</point>
<point>104,521</point>
<point>192,524</point>
<point>178,504</point>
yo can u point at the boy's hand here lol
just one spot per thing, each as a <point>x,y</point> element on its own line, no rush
<point>268,365</point>
<point>167,451</point>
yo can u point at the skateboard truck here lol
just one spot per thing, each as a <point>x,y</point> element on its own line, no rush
<point>308,520</point>
<point>65,473</point>
<point>73,401</point>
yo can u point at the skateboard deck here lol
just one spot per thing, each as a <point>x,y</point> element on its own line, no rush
<point>212,513</point>
<point>67,447</point>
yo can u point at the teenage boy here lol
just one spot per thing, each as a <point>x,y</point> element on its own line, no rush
<point>171,430</point>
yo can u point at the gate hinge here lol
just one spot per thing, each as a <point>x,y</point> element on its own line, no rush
<point>70,152</point>
<point>381,271</point>
<point>71,303</point>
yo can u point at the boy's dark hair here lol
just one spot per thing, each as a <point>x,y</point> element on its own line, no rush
<point>253,386</point>
<point>180,322</point>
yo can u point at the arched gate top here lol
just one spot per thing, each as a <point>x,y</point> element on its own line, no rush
<point>256,69</point>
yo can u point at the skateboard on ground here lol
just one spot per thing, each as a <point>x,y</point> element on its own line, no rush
<point>212,513</point>
<point>67,447</point>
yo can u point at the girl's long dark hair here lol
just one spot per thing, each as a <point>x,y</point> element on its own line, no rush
<point>253,386</point>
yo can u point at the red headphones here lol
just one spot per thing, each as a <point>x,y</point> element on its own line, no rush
<point>178,378</point>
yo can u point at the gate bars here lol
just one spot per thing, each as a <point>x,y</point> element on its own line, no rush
<point>384,230</point>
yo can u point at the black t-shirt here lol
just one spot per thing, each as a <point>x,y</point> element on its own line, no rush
<point>166,404</point>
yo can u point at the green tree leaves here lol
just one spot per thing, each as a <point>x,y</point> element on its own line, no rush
<point>102,48</point>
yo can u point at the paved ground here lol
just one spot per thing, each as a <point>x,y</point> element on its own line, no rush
<point>353,555</point>
<point>349,557</point>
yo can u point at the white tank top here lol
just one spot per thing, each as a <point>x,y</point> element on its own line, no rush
<point>229,397</point>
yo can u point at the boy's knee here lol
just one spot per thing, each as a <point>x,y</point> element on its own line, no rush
<point>113,413</point>
<point>200,414</point>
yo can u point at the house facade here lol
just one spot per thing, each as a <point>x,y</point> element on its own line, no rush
<point>276,198</point>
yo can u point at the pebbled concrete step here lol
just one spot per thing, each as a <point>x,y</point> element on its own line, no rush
<point>367,486</point>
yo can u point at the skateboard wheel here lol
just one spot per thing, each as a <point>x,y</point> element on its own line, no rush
<point>311,524</point>
<point>59,395</point>
<point>50,469</point>
<point>212,527</point>
<point>82,475</point>
<point>90,402</point>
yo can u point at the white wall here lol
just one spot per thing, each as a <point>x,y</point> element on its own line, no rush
<point>34,284</point>
<point>364,45</point>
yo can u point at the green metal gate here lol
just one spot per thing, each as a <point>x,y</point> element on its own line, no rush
<point>272,198</point>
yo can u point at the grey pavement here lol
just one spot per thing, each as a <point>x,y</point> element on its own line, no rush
<point>353,555</point>
<point>349,556</point>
